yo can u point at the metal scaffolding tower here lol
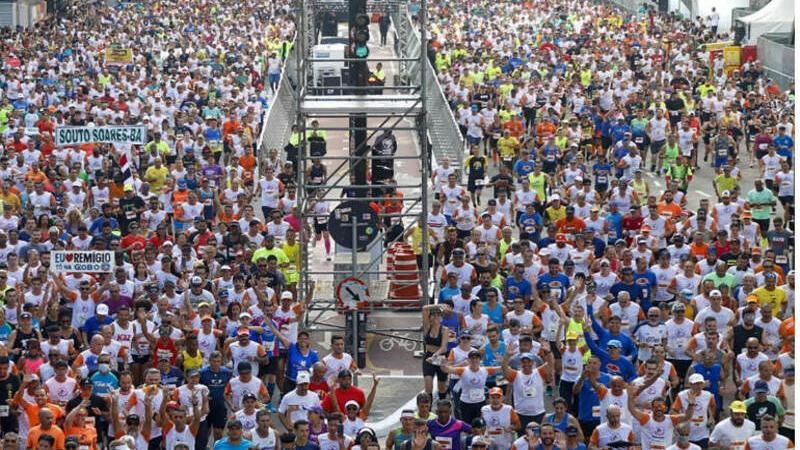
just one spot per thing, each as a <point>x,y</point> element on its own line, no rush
<point>399,107</point>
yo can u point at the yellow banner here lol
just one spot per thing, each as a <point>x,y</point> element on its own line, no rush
<point>118,56</point>
<point>732,56</point>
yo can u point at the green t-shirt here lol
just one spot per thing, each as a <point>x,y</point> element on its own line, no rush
<point>670,155</point>
<point>770,398</point>
<point>755,197</point>
<point>265,253</point>
<point>680,173</point>
<point>725,183</point>
<point>728,279</point>
<point>538,184</point>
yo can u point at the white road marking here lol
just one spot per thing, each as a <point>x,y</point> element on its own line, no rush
<point>383,427</point>
<point>326,341</point>
<point>703,194</point>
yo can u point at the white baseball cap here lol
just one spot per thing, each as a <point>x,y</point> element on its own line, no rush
<point>303,377</point>
<point>102,309</point>
<point>696,378</point>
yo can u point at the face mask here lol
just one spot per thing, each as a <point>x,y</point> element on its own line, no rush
<point>103,368</point>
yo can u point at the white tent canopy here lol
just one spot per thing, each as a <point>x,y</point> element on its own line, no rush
<point>776,16</point>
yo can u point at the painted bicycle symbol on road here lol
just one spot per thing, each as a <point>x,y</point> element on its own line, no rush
<point>402,341</point>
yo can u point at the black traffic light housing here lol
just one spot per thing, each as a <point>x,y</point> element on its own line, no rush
<point>359,36</point>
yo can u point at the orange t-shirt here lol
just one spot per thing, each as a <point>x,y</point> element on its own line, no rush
<point>786,331</point>
<point>248,162</point>
<point>54,431</point>
<point>87,435</point>
<point>544,129</point>
<point>115,191</point>
<point>698,250</point>
<point>672,209</point>
<point>36,177</point>
<point>32,411</point>
<point>230,126</point>
<point>514,127</point>
<point>576,225</point>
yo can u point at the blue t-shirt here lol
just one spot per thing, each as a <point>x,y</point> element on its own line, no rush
<point>299,362</point>
<point>522,168</point>
<point>173,377</point>
<point>601,173</point>
<point>618,131</point>
<point>629,348</point>
<point>558,281</point>
<point>516,288</point>
<point>225,444</point>
<point>97,226</point>
<point>216,382</point>
<point>647,282</point>
<point>633,289</point>
<point>448,292</point>
<point>588,398</point>
<point>5,330</point>
<point>784,142</point>
<point>493,358</point>
<point>620,366</point>
<point>93,324</point>
<point>269,340</point>
<point>531,224</point>
<point>614,227</point>
<point>102,383</point>
<point>453,325</point>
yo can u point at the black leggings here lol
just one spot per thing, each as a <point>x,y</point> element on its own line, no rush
<point>565,392</point>
<point>471,411</point>
<point>681,366</point>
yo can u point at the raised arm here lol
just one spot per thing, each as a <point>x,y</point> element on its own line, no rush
<point>371,396</point>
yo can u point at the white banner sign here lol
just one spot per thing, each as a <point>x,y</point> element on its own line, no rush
<point>132,134</point>
<point>65,261</point>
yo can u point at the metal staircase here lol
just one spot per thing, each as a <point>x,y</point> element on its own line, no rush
<point>443,133</point>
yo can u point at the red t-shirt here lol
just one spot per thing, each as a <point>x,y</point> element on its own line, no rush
<point>342,397</point>
<point>320,388</point>
<point>165,348</point>
<point>133,242</point>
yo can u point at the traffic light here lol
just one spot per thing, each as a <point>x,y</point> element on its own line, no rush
<point>360,36</point>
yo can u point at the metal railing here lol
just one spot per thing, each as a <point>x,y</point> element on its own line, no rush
<point>777,57</point>
<point>278,119</point>
<point>444,134</point>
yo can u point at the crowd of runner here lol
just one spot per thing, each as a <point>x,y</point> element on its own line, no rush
<point>566,281</point>
<point>580,305</point>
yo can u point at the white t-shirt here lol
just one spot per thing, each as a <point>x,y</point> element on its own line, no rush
<point>726,435</point>
<point>298,404</point>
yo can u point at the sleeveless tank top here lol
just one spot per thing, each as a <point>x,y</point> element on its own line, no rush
<point>560,426</point>
<point>496,314</point>
<point>192,362</point>
<point>433,341</point>
<point>265,443</point>
<point>399,437</point>
<point>22,337</point>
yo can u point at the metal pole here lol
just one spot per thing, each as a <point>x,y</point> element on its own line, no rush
<point>354,314</point>
<point>425,153</point>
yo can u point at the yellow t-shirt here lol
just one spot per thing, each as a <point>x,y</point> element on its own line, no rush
<point>554,214</point>
<point>156,177</point>
<point>775,297</point>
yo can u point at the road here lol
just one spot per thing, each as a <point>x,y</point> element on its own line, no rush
<point>388,356</point>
